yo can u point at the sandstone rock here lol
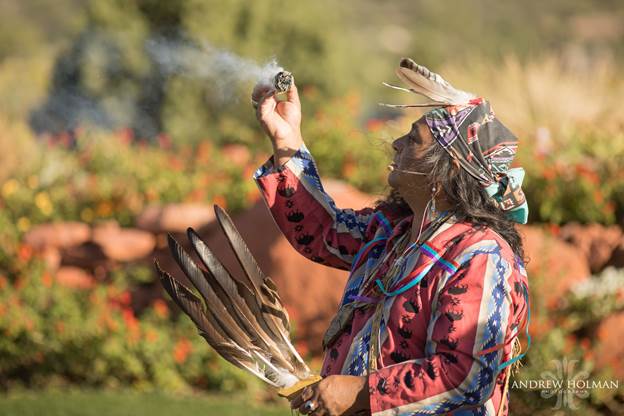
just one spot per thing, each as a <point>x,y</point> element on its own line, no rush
<point>553,266</point>
<point>617,257</point>
<point>52,258</point>
<point>123,244</point>
<point>74,277</point>
<point>596,241</point>
<point>609,352</point>
<point>174,218</point>
<point>59,235</point>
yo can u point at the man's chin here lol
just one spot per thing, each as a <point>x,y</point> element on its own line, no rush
<point>392,179</point>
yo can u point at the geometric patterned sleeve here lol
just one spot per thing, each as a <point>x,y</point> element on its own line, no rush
<point>307,215</point>
<point>474,317</point>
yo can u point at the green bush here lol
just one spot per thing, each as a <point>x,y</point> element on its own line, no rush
<point>56,336</point>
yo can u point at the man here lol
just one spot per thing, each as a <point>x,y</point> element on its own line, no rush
<point>437,292</point>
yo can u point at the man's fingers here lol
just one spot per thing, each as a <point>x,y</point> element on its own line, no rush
<point>305,395</point>
<point>293,95</point>
<point>259,91</point>
<point>266,105</point>
<point>296,402</point>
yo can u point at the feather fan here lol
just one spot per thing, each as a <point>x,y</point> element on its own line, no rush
<point>421,80</point>
<point>243,320</point>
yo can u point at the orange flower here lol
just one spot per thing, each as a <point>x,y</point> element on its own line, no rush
<point>549,174</point>
<point>302,348</point>
<point>203,150</point>
<point>197,195</point>
<point>220,200</point>
<point>151,335</point>
<point>181,350</point>
<point>24,252</point>
<point>161,309</point>
<point>59,327</point>
<point>252,195</point>
<point>176,164</point>
<point>598,197</point>
<point>46,279</point>
<point>374,125</point>
<point>129,318</point>
<point>104,209</point>
<point>132,323</point>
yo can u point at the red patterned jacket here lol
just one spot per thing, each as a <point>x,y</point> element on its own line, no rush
<point>449,315</point>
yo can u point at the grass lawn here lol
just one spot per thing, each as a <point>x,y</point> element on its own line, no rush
<point>113,403</point>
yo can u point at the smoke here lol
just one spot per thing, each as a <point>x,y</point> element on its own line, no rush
<point>226,70</point>
<point>72,102</point>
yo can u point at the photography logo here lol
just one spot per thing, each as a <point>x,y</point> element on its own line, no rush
<point>566,383</point>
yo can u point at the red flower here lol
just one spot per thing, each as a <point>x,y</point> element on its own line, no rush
<point>374,125</point>
<point>124,298</point>
<point>181,350</point>
<point>24,252</point>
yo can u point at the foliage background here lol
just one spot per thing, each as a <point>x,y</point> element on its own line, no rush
<point>81,101</point>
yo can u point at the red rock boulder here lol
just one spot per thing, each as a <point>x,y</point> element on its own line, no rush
<point>554,266</point>
<point>123,244</point>
<point>617,257</point>
<point>596,241</point>
<point>57,235</point>
<point>174,218</point>
<point>236,154</point>
<point>74,277</point>
<point>609,352</point>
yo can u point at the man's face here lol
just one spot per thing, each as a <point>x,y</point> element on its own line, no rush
<point>410,151</point>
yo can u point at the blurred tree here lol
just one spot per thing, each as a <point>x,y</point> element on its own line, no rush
<point>109,78</point>
<point>29,27</point>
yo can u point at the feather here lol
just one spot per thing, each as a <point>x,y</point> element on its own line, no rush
<point>238,318</point>
<point>421,80</point>
<point>263,286</point>
<point>244,321</point>
<point>209,330</point>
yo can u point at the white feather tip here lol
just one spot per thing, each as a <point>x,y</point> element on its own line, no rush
<point>421,80</point>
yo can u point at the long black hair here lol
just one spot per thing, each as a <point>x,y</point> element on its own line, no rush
<point>464,193</point>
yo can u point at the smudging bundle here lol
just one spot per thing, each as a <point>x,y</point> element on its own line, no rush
<point>282,81</point>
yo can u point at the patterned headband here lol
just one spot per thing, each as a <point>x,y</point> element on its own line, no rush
<point>466,127</point>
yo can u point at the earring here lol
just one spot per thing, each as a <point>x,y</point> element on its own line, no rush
<point>432,204</point>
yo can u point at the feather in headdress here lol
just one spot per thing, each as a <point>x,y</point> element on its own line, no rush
<point>421,80</point>
<point>244,321</point>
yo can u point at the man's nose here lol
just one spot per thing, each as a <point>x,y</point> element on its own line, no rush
<point>397,144</point>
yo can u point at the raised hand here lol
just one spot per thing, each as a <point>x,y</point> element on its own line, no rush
<point>281,120</point>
